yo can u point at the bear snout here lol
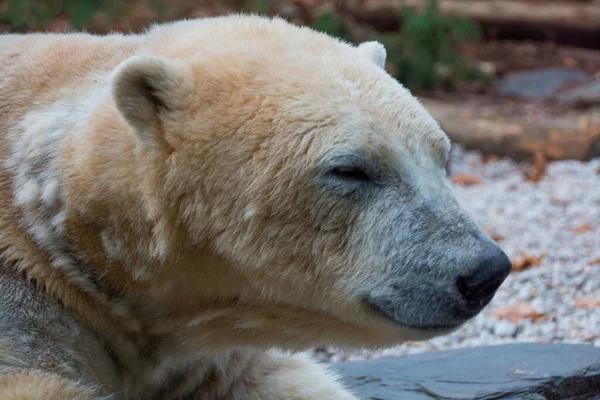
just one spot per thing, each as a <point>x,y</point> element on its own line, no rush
<point>444,301</point>
<point>479,284</point>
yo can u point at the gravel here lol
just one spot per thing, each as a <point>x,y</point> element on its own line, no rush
<point>556,220</point>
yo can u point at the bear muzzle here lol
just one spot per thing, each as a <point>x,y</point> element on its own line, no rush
<point>442,303</point>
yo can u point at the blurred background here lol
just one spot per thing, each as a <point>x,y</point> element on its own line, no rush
<point>516,86</point>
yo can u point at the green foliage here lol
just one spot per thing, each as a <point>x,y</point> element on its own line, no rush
<point>423,52</point>
<point>25,14</point>
<point>256,6</point>
<point>332,24</point>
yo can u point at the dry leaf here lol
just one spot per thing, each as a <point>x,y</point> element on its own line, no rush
<point>536,171</point>
<point>518,312</point>
<point>525,261</point>
<point>587,303</point>
<point>583,228</point>
<point>465,179</point>
<point>595,261</point>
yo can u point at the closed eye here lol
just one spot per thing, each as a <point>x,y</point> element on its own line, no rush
<point>350,173</point>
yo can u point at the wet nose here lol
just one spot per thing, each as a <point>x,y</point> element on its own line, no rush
<point>479,286</point>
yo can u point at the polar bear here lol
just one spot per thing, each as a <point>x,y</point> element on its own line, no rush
<point>185,210</point>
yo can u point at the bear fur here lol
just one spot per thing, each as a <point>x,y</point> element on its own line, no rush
<point>185,210</point>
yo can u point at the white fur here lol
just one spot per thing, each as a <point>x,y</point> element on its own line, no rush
<point>250,212</point>
<point>28,194</point>
<point>374,51</point>
<point>222,243</point>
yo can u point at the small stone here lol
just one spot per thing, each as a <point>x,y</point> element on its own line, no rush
<point>539,83</point>
<point>505,329</point>
<point>561,200</point>
<point>525,293</point>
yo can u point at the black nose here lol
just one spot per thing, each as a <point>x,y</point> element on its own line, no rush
<point>479,286</point>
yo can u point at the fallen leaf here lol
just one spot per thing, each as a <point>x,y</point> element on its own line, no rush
<point>595,261</point>
<point>583,228</point>
<point>587,303</point>
<point>589,337</point>
<point>536,171</point>
<point>525,261</point>
<point>518,312</point>
<point>465,179</point>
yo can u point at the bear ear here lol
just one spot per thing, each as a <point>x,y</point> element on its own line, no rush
<point>143,88</point>
<point>374,51</point>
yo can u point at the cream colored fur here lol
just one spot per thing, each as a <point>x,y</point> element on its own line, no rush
<point>161,186</point>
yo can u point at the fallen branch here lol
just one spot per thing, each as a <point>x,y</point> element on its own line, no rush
<point>556,139</point>
<point>566,20</point>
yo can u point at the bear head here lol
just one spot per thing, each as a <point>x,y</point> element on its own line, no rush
<point>293,167</point>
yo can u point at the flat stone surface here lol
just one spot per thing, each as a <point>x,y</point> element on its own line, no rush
<point>585,95</point>
<point>539,84</point>
<point>529,371</point>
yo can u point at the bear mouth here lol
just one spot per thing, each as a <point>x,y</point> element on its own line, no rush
<point>446,327</point>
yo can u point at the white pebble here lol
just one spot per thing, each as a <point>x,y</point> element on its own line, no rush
<point>505,329</point>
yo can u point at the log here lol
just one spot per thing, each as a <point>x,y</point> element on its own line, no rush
<point>566,22</point>
<point>566,138</point>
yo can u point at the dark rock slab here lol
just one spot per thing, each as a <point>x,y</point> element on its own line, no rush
<point>540,84</point>
<point>517,371</point>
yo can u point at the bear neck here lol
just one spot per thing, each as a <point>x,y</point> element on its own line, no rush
<point>76,223</point>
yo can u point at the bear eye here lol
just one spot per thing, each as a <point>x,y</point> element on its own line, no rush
<point>350,174</point>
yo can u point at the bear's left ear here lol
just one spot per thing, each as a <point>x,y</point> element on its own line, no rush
<point>374,51</point>
<point>143,89</point>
